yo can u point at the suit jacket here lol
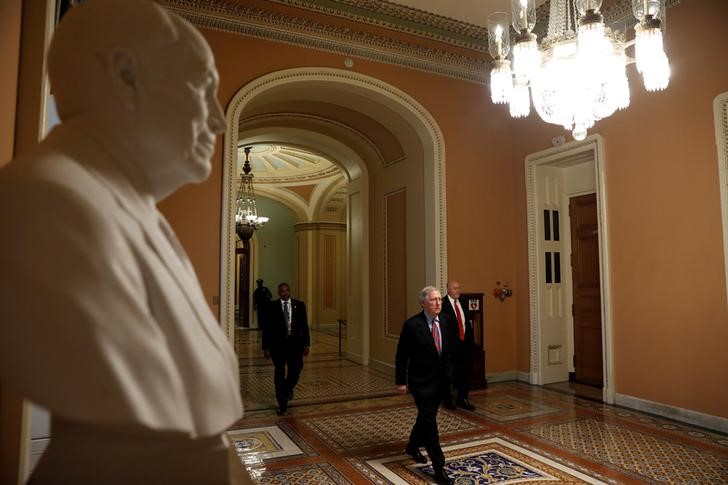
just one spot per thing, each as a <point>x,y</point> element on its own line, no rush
<point>103,318</point>
<point>417,362</point>
<point>275,328</point>
<point>448,309</point>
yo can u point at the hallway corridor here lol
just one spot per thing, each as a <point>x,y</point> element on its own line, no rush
<point>346,425</point>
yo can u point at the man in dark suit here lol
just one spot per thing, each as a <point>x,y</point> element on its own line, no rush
<point>421,366</point>
<point>286,340</point>
<point>456,307</point>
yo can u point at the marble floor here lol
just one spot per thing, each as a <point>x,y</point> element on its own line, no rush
<point>346,425</point>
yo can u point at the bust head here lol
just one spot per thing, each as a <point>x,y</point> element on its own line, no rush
<point>143,82</point>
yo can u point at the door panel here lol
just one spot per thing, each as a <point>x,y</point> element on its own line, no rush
<point>586,289</point>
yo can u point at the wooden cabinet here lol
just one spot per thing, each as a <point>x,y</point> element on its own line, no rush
<point>475,305</point>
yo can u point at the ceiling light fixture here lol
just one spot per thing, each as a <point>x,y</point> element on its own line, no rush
<point>246,213</point>
<point>578,74</point>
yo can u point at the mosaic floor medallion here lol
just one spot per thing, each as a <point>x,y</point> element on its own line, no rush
<point>509,408</point>
<point>257,444</point>
<point>492,460</point>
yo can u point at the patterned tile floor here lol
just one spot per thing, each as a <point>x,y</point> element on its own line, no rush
<point>518,434</point>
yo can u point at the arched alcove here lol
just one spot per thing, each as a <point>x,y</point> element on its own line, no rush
<point>371,178</point>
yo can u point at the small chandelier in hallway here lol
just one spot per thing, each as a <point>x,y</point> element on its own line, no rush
<point>578,74</point>
<point>246,213</point>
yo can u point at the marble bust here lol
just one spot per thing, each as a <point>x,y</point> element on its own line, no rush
<point>103,319</point>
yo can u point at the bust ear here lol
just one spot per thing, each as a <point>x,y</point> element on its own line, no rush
<point>123,69</point>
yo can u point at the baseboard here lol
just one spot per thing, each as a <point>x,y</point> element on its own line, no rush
<point>510,375</point>
<point>524,377</point>
<point>708,421</point>
<point>382,366</point>
<point>37,447</point>
<point>355,358</point>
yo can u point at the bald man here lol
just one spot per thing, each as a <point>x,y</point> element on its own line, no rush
<point>455,306</point>
<point>104,322</point>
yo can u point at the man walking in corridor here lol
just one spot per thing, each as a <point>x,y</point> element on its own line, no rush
<point>422,368</point>
<point>286,340</point>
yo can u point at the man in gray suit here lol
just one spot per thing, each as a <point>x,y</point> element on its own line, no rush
<point>104,322</point>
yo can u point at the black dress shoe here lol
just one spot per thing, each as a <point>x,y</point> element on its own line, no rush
<point>465,404</point>
<point>282,410</point>
<point>290,395</point>
<point>442,479</point>
<point>416,455</point>
<point>448,405</point>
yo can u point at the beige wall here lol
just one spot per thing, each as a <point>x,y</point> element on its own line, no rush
<point>668,285</point>
<point>322,258</point>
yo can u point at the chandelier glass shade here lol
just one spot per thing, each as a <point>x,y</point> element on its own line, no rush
<point>247,219</point>
<point>578,74</point>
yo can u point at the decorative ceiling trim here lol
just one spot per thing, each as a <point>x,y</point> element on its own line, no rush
<point>228,17</point>
<point>401,18</point>
<point>263,180</point>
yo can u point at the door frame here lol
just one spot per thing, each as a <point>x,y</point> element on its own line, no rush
<point>720,113</point>
<point>592,146</point>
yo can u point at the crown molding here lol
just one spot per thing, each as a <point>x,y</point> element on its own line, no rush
<point>401,18</point>
<point>226,16</point>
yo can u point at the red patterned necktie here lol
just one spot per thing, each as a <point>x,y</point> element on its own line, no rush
<point>461,327</point>
<point>436,335</point>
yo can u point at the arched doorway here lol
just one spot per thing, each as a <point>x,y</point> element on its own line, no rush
<point>387,143</point>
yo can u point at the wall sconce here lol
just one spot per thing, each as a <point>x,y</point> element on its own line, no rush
<point>502,291</point>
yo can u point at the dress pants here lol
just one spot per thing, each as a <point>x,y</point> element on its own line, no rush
<point>463,371</point>
<point>290,355</point>
<point>425,433</point>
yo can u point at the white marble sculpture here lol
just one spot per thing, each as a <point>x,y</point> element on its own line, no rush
<point>102,318</point>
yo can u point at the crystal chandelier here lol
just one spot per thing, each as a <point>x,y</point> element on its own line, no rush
<point>578,74</point>
<point>246,213</point>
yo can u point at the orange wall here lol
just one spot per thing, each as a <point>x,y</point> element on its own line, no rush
<point>669,298</point>
<point>669,307</point>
